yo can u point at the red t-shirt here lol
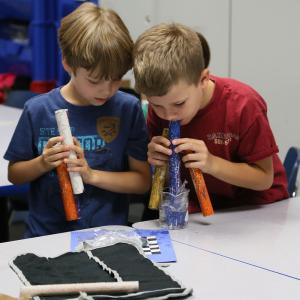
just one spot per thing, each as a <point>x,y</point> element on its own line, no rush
<point>234,126</point>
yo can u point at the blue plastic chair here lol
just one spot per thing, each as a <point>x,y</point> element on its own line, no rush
<point>291,164</point>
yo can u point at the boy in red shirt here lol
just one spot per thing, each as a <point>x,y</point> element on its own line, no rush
<point>224,124</point>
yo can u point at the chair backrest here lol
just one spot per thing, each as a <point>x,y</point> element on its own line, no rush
<point>291,164</point>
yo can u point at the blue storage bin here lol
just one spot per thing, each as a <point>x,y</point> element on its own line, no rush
<point>16,9</point>
<point>36,53</point>
<point>15,58</point>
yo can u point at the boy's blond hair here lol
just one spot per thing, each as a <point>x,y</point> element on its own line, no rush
<point>165,54</point>
<point>96,39</point>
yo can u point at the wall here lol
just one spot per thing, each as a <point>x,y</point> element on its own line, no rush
<point>139,15</point>
<point>265,54</point>
<point>255,41</point>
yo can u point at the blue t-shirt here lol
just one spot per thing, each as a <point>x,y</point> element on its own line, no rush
<point>108,134</point>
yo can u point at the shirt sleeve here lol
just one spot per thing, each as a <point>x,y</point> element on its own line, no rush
<point>138,137</point>
<point>257,140</point>
<point>21,145</point>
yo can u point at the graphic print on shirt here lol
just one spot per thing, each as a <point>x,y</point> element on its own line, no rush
<point>87,142</point>
<point>222,138</point>
<point>108,128</point>
<point>96,146</point>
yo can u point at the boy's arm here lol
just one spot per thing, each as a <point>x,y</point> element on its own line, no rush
<point>256,176</point>
<point>28,170</point>
<point>136,181</point>
<point>25,171</point>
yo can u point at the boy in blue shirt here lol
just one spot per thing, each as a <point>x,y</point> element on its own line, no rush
<point>111,137</point>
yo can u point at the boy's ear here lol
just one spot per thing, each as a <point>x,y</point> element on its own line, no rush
<point>204,77</point>
<point>67,68</point>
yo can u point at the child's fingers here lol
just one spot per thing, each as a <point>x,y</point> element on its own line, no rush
<point>189,145</point>
<point>52,157</point>
<point>157,162</point>
<point>158,156</point>
<point>53,141</point>
<point>57,148</point>
<point>182,141</point>
<point>76,142</point>
<point>159,144</point>
<point>161,140</point>
<point>77,148</point>
<point>190,157</point>
<point>159,149</point>
<point>75,162</point>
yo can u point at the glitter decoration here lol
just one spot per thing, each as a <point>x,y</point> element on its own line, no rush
<point>202,193</point>
<point>158,181</point>
<point>174,162</point>
<point>69,201</point>
<point>174,204</point>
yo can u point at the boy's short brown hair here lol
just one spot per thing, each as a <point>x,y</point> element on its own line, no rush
<point>96,39</point>
<point>165,54</point>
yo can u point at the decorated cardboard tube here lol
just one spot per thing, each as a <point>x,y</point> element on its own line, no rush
<point>65,131</point>
<point>202,193</point>
<point>174,161</point>
<point>158,183</point>
<point>69,202</point>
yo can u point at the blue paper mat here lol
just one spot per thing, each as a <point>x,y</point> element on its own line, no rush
<point>161,237</point>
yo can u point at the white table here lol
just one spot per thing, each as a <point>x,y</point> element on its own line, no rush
<point>9,117</point>
<point>265,237</point>
<point>201,263</point>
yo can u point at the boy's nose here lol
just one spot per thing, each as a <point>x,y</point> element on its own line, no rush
<point>170,116</point>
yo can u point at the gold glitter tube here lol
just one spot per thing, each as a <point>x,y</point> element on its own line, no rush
<point>158,182</point>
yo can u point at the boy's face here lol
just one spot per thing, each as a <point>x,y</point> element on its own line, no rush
<point>92,91</point>
<point>182,102</point>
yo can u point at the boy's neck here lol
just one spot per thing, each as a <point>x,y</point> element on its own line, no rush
<point>207,94</point>
<point>69,94</point>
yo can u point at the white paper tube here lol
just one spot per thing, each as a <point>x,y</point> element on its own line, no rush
<point>65,131</point>
<point>71,288</point>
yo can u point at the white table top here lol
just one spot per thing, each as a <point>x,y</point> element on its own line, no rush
<point>208,253</point>
<point>9,117</point>
<point>265,237</point>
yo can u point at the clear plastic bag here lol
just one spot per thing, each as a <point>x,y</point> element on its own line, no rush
<point>108,237</point>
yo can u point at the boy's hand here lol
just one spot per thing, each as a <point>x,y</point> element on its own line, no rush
<point>159,151</point>
<point>195,154</point>
<point>79,164</point>
<point>54,153</point>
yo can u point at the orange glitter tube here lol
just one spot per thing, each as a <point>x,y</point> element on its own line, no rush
<point>158,183</point>
<point>202,193</point>
<point>69,202</point>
